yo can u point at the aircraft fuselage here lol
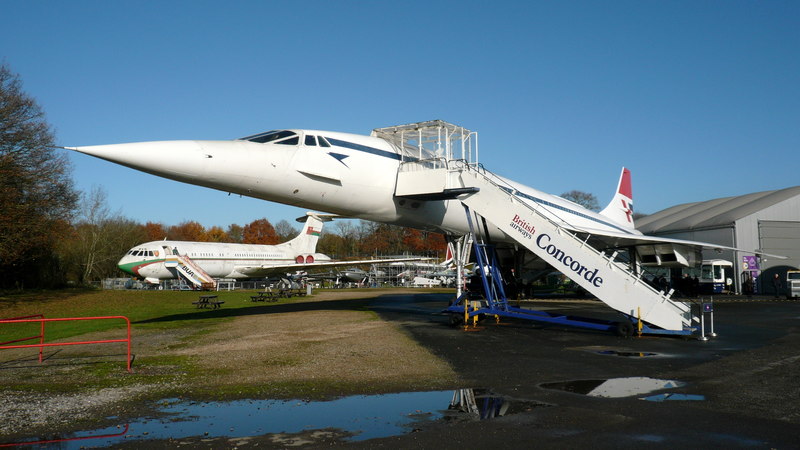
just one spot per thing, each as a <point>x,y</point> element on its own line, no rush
<point>154,261</point>
<point>346,174</point>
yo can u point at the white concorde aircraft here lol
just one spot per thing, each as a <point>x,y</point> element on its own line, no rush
<point>203,262</point>
<point>357,176</point>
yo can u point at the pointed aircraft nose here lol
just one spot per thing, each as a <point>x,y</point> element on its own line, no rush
<point>128,264</point>
<point>179,160</point>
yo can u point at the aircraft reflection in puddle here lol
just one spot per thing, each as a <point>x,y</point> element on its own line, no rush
<point>673,397</point>
<point>353,418</point>
<point>614,387</point>
<point>482,404</point>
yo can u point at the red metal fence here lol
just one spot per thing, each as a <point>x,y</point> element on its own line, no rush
<point>41,336</point>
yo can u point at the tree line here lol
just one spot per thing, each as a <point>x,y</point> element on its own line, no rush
<point>98,238</point>
<point>53,235</point>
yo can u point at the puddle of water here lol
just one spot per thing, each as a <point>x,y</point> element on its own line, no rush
<point>614,387</point>
<point>353,418</point>
<point>674,396</point>
<point>626,354</point>
<point>654,438</point>
<point>738,440</point>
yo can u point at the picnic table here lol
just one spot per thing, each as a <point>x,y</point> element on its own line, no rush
<point>264,296</point>
<point>289,292</point>
<point>208,301</point>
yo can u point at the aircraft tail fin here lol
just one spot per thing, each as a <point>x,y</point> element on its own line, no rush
<point>306,241</point>
<point>620,210</point>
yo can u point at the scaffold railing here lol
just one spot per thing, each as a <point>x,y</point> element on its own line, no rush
<point>432,140</point>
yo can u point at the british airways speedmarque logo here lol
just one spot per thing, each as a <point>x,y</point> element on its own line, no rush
<point>627,208</point>
<point>527,230</point>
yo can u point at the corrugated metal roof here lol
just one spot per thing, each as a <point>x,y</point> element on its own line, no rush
<point>715,213</point>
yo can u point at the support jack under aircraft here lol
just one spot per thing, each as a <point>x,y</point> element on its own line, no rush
<point>203,263</point>
<point>426,175</point>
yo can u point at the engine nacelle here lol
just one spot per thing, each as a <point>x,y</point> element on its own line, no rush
<point>668,255</point>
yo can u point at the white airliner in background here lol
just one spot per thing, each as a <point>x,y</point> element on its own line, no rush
<point>201,263</point>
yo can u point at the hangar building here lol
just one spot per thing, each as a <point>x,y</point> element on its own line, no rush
<point>769,221</point>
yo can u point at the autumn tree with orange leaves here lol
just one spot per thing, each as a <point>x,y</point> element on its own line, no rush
<point>154,231</point>
<point>187,231</point>
<point>217,234</point>
<point>260,231</point>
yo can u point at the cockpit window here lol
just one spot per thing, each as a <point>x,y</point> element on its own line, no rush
<point>270,136</point>
<point>323,142</point>
<point>289,141</point>
<point>311,140</point>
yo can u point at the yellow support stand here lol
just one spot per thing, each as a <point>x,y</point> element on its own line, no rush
<point>466,314</point>
<point>639,325</point>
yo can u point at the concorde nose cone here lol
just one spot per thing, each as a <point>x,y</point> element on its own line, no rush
<point>171,159</point>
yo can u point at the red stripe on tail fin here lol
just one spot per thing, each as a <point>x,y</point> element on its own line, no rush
<point>625,184</point>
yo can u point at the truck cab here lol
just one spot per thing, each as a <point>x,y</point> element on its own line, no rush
<point>716,276</point>
<point>793,283</point>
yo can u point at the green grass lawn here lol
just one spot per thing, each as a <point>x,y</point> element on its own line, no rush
<point>143,308</point>
<point>166,328</point>
<point>146,310</point>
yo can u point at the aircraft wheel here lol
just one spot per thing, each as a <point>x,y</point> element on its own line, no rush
<point>456,320</point>
<point>624,329</point>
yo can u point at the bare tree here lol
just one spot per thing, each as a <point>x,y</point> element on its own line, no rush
<point>285,230</point>
<point>350,237</point>
<point>588,201</point>
<point>100,238</point>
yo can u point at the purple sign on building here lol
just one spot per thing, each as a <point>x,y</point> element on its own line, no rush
<point>750,263</point>
<point>750,272</point>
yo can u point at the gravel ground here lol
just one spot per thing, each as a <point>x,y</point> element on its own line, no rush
<point>25,410</point>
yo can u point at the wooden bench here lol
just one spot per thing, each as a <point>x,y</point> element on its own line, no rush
<point>208,301</point>
<point>289,293</point>
<point>264,296</point>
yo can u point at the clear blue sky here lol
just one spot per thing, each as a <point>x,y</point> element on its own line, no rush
<point>700,99</point>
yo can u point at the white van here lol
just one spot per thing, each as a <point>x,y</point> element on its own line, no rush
<point>793,283</point>
<point>716,276</point>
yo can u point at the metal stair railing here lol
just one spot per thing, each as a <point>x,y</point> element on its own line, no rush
<point>609,261</point>
<point>202,276</point>
<point>493,280</point>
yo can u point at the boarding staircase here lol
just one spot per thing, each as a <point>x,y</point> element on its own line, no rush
<point>190,271</point>
<point>483,193</point>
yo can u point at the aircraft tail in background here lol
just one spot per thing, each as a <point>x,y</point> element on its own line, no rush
<point>306,241</point>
